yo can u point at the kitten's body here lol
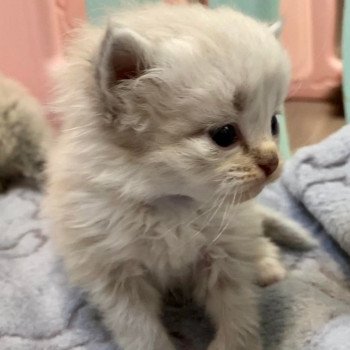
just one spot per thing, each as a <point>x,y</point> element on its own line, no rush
<point>140,197</point>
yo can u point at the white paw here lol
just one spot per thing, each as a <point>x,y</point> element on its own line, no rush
<point>270,271</point>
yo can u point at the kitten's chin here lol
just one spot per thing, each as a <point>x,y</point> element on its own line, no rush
<point>250,192</point>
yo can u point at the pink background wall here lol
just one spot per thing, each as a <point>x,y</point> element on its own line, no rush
<point>310,36</point>
<point>32,33</point>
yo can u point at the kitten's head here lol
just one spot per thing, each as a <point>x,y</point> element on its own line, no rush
<point>188,97</point>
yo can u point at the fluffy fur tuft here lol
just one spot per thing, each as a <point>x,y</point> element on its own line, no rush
<point>23,135</point>
<point>141,198</point>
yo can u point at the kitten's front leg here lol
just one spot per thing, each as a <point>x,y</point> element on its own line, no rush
<point>281,230</point>
<point>269,266</point>
<point>230,301</point>
<point>131,310</point>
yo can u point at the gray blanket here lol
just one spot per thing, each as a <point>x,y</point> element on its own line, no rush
<point>319,177</point>
<point>309,310</point>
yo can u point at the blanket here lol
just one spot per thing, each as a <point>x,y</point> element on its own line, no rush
<point>309,310</point>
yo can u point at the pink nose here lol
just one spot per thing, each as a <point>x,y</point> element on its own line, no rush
<point>269,165</point>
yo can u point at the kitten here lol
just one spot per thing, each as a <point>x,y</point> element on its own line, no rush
<point>23,135</point>
<point>169,131</point>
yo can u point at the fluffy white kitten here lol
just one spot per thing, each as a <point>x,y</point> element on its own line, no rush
<point>169,131</point>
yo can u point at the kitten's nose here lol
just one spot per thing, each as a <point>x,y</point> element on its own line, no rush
<point>268,164</point>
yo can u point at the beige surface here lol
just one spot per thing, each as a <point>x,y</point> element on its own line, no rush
<point>310,122</point>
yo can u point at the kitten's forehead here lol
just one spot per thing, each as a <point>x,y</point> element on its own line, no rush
<point>240,100</point>
<point>232,69</point>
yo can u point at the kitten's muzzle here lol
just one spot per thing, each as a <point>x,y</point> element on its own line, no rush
<point>268,164</point>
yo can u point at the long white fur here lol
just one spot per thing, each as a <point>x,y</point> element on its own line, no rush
<point>140,198</point>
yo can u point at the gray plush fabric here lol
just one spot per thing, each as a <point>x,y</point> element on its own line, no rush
<point>309,310</point>
<point>319,177</point>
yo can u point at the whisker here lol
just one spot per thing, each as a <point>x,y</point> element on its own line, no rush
<point>230,206</point>
<point>195,216</point>
<point>79,127</point>
<point>222,229</point>
<point>215,210</point>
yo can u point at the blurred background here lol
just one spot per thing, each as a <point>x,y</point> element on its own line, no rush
<point>315,33</point>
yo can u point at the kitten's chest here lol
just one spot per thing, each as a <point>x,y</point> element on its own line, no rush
<point>176,244</point>
<point>172,249</point>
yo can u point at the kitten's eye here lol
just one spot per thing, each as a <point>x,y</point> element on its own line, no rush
<point>224,136</point>
<point>275,129</point>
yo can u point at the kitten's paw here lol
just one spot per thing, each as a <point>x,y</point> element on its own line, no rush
<point>270,271</point>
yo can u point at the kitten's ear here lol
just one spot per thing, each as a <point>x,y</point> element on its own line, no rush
<point>123,55</point>
<point>276,28</point>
